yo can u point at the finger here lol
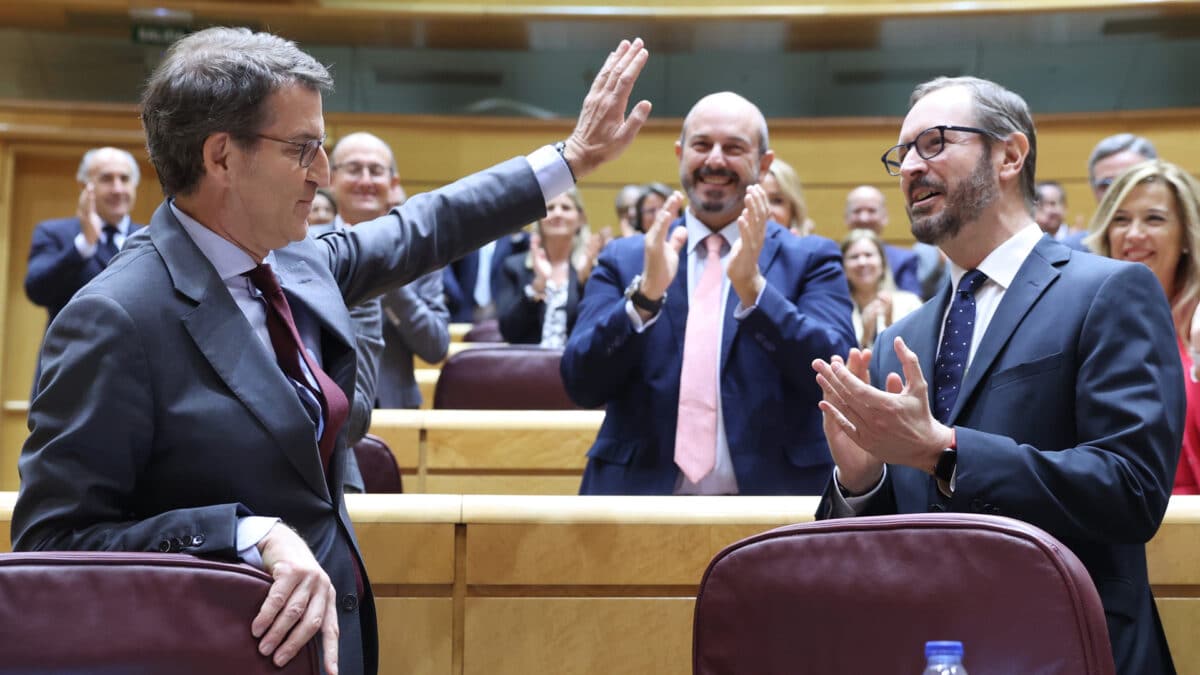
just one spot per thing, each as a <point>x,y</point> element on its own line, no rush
<point>838,417</point>
<point>911,366</point>
<point>281,589</point>
<point>606,70</point>
<point>678,239</point>
<point>303,630</point>
<point>330,632</point>
<point>633,123</point>
<point>289,617</point>
<point>627,67</point>
<point>665,216</point>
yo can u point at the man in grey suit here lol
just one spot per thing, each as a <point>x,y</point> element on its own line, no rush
<point>1045,386</point>
<point>190,404</point>
<point>414,317</point>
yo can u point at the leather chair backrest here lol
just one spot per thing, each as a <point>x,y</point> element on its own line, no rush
<point>377,464</point>
<point>509,377</point>
<point>487,330</point>
<point>75,613</point>
<point>863,595</point>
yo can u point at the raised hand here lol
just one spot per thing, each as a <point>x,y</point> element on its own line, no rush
<point>858,470</point>
<point>542,269</point>
<point>603,131</point>
<point>90,223</point>
<point>596,241</point>
<point>301,601</point>
<point>662,251</point>
<point>743,272</point>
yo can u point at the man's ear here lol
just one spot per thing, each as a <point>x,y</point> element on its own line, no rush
<point>1016,149</point>
<point>217,153</point>
<point>764,164</point>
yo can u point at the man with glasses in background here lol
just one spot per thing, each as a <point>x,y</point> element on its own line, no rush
<point>195,394</point>
<point>1046,386</point>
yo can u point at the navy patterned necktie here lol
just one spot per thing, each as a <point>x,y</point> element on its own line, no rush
<point>956,345</point>
<point>108,244</point>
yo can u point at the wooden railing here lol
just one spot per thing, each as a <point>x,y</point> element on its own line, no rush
<point>499,585</point>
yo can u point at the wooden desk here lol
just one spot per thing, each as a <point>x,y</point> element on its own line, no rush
<point>500,585</point>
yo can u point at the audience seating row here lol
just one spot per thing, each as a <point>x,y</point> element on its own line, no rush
<point>501,585</point>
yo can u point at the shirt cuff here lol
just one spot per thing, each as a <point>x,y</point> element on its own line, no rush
<point>639,326</point>
<point>844,505</point>
<point>743,312</point>
<point>250,531</point>
<point>85,249</point>
<point>551,170</point>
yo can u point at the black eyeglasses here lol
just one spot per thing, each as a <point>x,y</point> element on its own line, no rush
<point>308,149</point>
<point>929,144</point>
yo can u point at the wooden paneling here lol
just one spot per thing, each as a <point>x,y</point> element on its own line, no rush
<point>415,634</point>
<point>578,636</point>
<point>566,483</point>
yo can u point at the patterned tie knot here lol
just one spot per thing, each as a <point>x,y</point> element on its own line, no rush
<point>263,278</point>
<point>714,242</point>
<point>971,282</point>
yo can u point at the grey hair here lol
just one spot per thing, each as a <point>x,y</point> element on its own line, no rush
<point>217,80</point>
<point>85,165</point>
<point>999,111</point>
<point>1119,143</point>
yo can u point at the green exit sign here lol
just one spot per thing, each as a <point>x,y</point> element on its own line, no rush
<point>157,34</point>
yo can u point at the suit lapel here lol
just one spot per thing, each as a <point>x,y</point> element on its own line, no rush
<point>236,354</point>
<point>1035,276</point>
<point>298,280</point>
<point>766,258</point>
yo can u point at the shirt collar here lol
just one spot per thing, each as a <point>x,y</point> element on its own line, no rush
<point>697,231</point>
<point>225,256</point>
<point>1003,263</point>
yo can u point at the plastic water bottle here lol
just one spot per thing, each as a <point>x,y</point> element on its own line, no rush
<point>944,658</point>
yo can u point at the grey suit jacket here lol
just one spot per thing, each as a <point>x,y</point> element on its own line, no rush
<point>163,418</point>
<point>415,321</point>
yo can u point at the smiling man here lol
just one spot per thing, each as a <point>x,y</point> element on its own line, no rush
<point>195,394</point>
<point>67,253</point>
<point>1045,385</point>
<point>696,339</point>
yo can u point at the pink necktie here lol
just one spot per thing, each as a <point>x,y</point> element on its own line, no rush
<point>696,429</point>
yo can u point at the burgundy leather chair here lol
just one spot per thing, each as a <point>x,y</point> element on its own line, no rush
<point>508,377</point>
<point>863,595</point>
<point>73,612</point>
<point>377,464</point>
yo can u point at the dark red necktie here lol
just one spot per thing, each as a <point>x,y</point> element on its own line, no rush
<point>285,339</point>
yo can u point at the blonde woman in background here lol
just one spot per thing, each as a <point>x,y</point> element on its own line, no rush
<point>786,197</point>
<point>877,302</point>
<point>1151,215</point>
<point>539,291</point>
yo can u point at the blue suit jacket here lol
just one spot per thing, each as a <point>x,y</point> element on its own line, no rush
<point>1070,417</point>
<point>768,392</point>
<point>56,270</point>
<point>458,278</point>
<point>904,265</point>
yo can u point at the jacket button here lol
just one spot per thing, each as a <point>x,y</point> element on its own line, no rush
<point>197,540</point>
<point>164,546</point>
<point>937,507</point>
<point>349,602</point>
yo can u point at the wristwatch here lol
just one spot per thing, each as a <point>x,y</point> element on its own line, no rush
<point>944,470</point>
<point>634,294</point>
<point>561,147</point>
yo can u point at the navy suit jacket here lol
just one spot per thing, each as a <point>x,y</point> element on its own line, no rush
<point>768,392</point>
<point>1070,417</point>
<point>459,277</point>
<point>904,265</point>
<point>209,427</point>
<point>56,270</point>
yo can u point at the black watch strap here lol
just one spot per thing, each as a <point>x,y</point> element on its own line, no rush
<point>639,300</point>
<point>946,464</point>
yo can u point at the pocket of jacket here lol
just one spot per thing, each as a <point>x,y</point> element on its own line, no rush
<point>614,451</point>
<point>1028,369</point>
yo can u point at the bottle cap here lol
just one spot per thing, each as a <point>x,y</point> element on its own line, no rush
<point>943,648</point>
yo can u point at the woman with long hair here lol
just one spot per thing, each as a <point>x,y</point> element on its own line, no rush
<point>1151,215</point>
<point>877,302</point>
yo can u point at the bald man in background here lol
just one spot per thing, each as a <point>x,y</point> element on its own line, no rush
<point>866,208</point>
